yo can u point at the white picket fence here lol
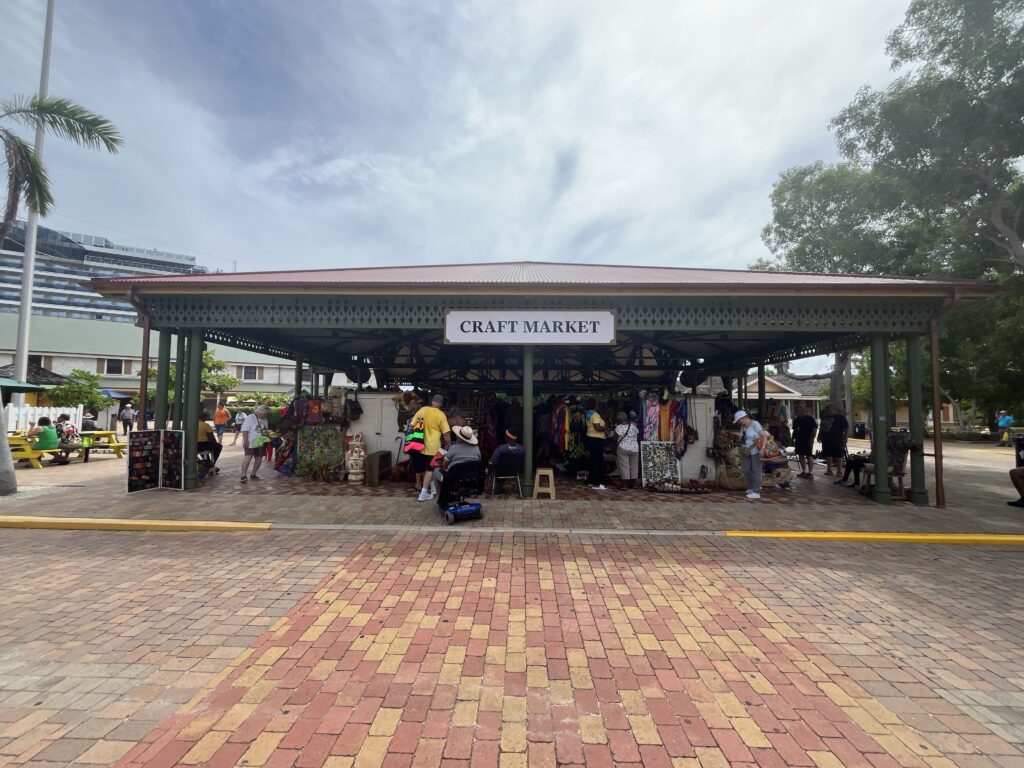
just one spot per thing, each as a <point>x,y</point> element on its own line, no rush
<point>20,417</point>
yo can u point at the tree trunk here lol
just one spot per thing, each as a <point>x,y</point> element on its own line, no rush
<point>1010,241</point>
<point>835,382</point>
<point>8,481</point>
<point>958,414</point>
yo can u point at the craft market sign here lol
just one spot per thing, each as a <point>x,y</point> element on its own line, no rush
<point>529,327</point>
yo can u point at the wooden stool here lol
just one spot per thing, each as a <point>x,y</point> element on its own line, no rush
<point>899,492</point>
<point>548,487</point>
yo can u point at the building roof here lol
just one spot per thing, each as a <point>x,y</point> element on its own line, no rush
<point>13,385</point>
<point>806,388</point>
<point>543,275</point>
<point>101,338</point>
<point>36,375</point>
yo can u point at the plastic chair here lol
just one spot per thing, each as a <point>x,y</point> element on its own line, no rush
<point>508,467</point>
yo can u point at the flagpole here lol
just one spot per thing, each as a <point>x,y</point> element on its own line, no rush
<point>28,272</point>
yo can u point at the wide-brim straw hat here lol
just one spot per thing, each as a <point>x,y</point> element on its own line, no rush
<point>465,434</point>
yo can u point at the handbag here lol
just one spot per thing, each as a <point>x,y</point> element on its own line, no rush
<point>414,437</point>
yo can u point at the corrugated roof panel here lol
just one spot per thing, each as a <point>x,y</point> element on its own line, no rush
<point>527,273</point>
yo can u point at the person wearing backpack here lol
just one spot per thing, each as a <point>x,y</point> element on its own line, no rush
<point>436,433</point>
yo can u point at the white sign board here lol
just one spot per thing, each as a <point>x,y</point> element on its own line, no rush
<point>529,327</point>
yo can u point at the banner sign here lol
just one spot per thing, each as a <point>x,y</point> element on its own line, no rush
<point>529,327</point>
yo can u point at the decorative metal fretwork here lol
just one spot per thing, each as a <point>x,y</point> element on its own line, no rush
<point>742,313</point>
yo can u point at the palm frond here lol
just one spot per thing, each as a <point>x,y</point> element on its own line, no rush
<point>64,118</point>
<point>26,178</point>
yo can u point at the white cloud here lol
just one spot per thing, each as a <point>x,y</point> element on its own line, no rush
<point>323,134</point>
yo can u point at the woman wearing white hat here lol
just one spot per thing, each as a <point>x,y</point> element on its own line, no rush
<point>750,454</point>
<point>465,448</point>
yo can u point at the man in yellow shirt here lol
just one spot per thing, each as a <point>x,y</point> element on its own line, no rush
<point>436,433</point>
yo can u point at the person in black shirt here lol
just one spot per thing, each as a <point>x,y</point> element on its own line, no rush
<point>805,429</point>
<point>832,435</point>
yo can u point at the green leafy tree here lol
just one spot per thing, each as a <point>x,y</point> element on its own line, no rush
<point>27,180</point>
<point>948,131</point>
<point>81,388</point>
<point>212,378</point>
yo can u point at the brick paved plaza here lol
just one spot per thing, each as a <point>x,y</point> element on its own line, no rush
<point>615,630</point>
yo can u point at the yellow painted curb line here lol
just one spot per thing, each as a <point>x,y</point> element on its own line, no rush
<point>899,538</point>
<point>113,524</point>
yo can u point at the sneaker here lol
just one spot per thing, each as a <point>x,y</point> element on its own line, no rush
<point>424,495</point>
<point>242,479</point>
<point>753,496</point>
<point>431,495</point>
<point>599,487</point>
<point>254,477</point>
<point>828,471</point>
<point>1018,503</point>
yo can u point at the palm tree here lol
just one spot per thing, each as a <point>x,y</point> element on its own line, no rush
<point>27,180</point>
<point>26,176</point>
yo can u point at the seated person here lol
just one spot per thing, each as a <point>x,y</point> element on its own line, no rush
<point>1017,478</point>
<point>207,438</point>
<point>511,447</point>
<point>897,446</point>
<point>69,439</point>
<point>45,435</point>
<point>465,448</point>
<point>89,423</point>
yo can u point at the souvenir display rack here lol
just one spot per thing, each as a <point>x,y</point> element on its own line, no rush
<point>156,459</point>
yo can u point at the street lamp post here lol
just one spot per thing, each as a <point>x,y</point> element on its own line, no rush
<point>29,270</point>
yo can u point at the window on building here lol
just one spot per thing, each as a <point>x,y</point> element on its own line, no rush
<point>307,375</point>
<point>35,360</point>
<point>114,367</point>
<point>250,373</point>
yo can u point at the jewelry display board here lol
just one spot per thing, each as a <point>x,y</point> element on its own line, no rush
<point>143,460</point>
<point>172,459</point>
<point>156,459</point>
<point>658,463</point>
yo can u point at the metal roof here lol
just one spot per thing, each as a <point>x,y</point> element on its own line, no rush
<point>507,275</point>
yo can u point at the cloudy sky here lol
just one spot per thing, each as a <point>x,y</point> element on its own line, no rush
<point>330,133</point>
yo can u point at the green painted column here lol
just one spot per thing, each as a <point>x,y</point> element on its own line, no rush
<point>193,394</point>
<point>528,420</point>
<point>760,392</point>
<point>180,364</point>
<point>880,417</point>
<point>163,370</point>
<point>918,493</point>
<point>298,377</point>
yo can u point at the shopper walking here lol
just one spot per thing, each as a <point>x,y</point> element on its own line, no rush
<point>436,433</point>
<point>127,417</point>
<point>239,420</point>
<point>627,450</point>
<point>596,433</point>
<point>750,453</point>
<point>805,429</point>
<point>254,440</point>
<point>1003,424</point>
<point>221,419</point>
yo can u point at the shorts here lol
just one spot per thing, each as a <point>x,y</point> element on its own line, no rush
<point>804,448</point>
<point>261,451</point>
<point>420,461</point>
<point>832,450</point>
<point>219,428</point>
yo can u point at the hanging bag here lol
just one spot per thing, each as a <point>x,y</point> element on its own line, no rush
<point>414,437</point>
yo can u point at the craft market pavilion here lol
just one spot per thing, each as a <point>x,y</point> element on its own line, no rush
<point>536,327</point>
